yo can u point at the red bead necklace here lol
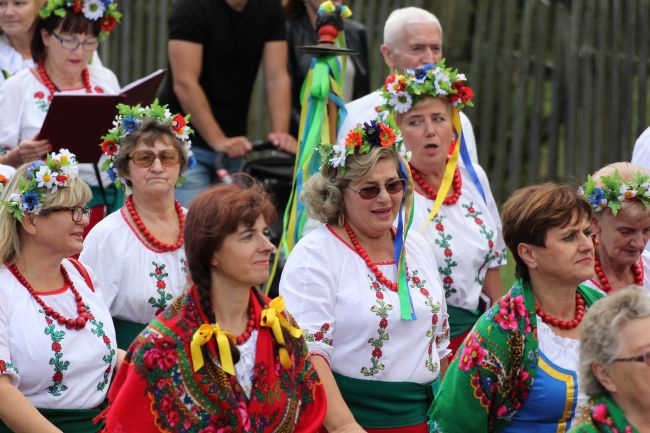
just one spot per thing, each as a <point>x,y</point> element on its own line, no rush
<point>160,246</point>
<point>82,314</point>
<point>372,266</point>
<point>637,270</point>
<point>243,338</point>
<point>85,76</point>
<point>431,194</point>
<point>564,324</point>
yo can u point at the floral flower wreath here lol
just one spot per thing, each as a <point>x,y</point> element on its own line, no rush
<point>42,177</point>
<point>615,191</point>
<point>401,92</point>
<point>129,119</point>
<point>103,10</point>
<point>361,139</point>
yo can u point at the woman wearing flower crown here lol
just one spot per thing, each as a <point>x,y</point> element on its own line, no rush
<point>222,357</point>
<point>465,233</point>
<point>516,370</point>
<point>138,252</point>
<point>64,40</point>
<point>57,342</point>
<point>17,21</point>
<point>620,196</point>
<point>370,302</point>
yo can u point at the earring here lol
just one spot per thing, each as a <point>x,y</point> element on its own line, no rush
<point>341,219</point>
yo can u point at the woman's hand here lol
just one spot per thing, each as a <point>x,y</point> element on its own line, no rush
<point>27,150</point>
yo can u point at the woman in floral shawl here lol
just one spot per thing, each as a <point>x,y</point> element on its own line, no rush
<point>615,364</point>
<point>187,372</point>
<point>516,370</point>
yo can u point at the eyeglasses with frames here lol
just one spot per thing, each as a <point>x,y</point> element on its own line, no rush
<point>77,212</point>
<point>71,44</point>
<point>145,158</point>
<point>645,358</point>
<point>372,191</point>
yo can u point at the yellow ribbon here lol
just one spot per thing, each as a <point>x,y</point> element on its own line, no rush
<point>448,175</point>
<point>273,318</point>
<point>202,336</point>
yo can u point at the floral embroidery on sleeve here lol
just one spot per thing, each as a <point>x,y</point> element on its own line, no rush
<point>488,234</point>
<point>381,309</point>
<point>323,335</point>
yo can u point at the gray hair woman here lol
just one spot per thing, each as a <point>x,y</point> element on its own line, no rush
<point>376,332</point>
<point>138,252</point>
<point>620,196</point>
<point>615,363</point>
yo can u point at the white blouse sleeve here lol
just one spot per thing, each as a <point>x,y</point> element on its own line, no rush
<point>308,285</point>
<point>6,365</point>
<point>99,255</point>
<point>499,244</point>
<point>11,111</point>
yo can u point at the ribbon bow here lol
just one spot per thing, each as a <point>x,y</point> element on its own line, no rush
<point>273,318</point>
<point>202,336</point>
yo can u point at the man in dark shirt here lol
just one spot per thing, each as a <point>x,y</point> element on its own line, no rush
<point>215,48</point>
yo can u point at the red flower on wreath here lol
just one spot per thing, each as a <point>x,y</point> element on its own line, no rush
<point>353,139</point>
<point>77,6</point>
<point>386,135</point>
<point>108,23</point>
<point>179,123</point>
<point>109,147</point>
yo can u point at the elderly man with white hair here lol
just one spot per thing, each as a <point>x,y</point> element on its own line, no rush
<point>412,38</point>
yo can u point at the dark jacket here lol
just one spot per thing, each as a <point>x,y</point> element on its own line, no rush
<point>300,32</point>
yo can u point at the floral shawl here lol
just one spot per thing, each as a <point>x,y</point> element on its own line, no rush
<point>602,416</point>
<point>156,389</point>
<point>490,377</point>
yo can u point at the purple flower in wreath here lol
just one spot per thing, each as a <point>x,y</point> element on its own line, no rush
<point>130,124</point>
<point>372,131</point>
<point>111,174</point>
<point>598,198</point>
<point>30,200</point>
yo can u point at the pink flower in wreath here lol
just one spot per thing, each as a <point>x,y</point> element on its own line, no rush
<point>601,414</point>
<point>161,284</point>
<point>56,346</point>
<point>424,291</point>
<point>39,95</point>
<point>383,323</point>
<point>377,352</point>
<point>473,354</point>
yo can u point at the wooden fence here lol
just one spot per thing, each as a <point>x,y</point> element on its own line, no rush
<point>561,85</point>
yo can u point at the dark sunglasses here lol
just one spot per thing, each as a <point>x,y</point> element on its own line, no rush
<point>77,212</point>
<point>370,192</point>
<point>145,158</point>
<point>645,358</point>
